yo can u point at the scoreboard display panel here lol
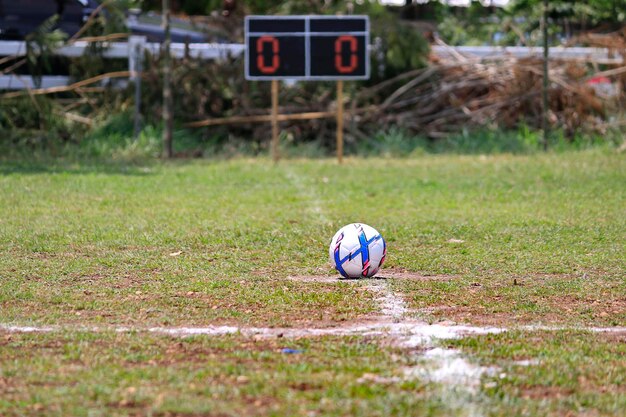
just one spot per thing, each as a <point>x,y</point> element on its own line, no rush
<point>307,47</point>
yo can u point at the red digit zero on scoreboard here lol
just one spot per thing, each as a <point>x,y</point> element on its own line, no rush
<point>260,58</point>
<point>307,47</point>
<point>353,61</point>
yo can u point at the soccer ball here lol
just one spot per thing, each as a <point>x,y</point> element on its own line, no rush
<point>357,250</point>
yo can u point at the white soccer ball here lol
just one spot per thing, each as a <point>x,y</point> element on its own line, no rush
<point>357,250</point>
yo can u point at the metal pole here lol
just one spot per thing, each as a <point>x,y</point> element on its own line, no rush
<point>340,121</point>
<point>167,84</point>
<point>275,150</point>
<point>137,127</point>
<point>136,49</point>
<point>546,77</point>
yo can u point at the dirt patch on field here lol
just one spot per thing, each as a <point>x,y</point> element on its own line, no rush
<point>174,414</point>
<point>254,406</point>
<point>546,299</point>
<point>617,337</point>
<point>10,385</point>
<point>555,392</point>
<point>479,315</point>
<point>156,349</point>
<point>327,279</point>
<point>399,274</point>
<point>402,274</point>
<point>544,392</point>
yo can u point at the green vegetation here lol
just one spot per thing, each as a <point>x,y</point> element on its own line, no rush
<point>115,374</point>
<point>121,374</point>
<point>37,130</point>
<point>396,143</point>
<point>110,243</point>
<point>519,22</point>
<point>552,373</point>
<point>55,124</point>
<point>496,239</point>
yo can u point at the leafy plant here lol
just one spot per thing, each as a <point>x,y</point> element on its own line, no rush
<point>41,46</point>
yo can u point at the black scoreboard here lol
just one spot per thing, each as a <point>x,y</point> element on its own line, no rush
<point>307,47</point>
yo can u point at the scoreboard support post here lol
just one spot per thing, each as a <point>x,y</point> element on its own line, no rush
<point>340,121</point>
<point>275,144</point>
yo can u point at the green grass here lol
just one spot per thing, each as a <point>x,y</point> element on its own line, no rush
<point>572,372</point>
<point>100,240</point>
<point>75,373</point>
<point>100,245</point>
<point>500,239</point>
<point>121,374</point>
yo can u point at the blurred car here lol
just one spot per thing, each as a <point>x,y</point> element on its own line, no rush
<point>18,18</point>
<point>149,25</point>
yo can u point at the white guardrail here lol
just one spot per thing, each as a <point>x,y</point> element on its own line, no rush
<point>596,55</point>
<point>133,51</point>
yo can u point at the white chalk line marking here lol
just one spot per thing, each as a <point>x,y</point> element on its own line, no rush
<point>26,329</point>
<point>315,206</point>
<point>453,369</point>
<point>458,378</point>
<point>389,303</point>
<point>410,334</point>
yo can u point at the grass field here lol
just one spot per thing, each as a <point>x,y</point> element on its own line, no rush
<point>98,254</point>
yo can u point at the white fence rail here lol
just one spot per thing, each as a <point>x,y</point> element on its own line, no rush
<point>597,55</point>
<point>124,49</point>
<point>133,51</point>
<point>22,82</point>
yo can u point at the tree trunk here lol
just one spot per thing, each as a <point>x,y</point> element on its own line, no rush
<point>167,87</point>
<point>546,76</point>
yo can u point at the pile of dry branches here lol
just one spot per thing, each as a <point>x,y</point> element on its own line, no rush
<point>449,96</point>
